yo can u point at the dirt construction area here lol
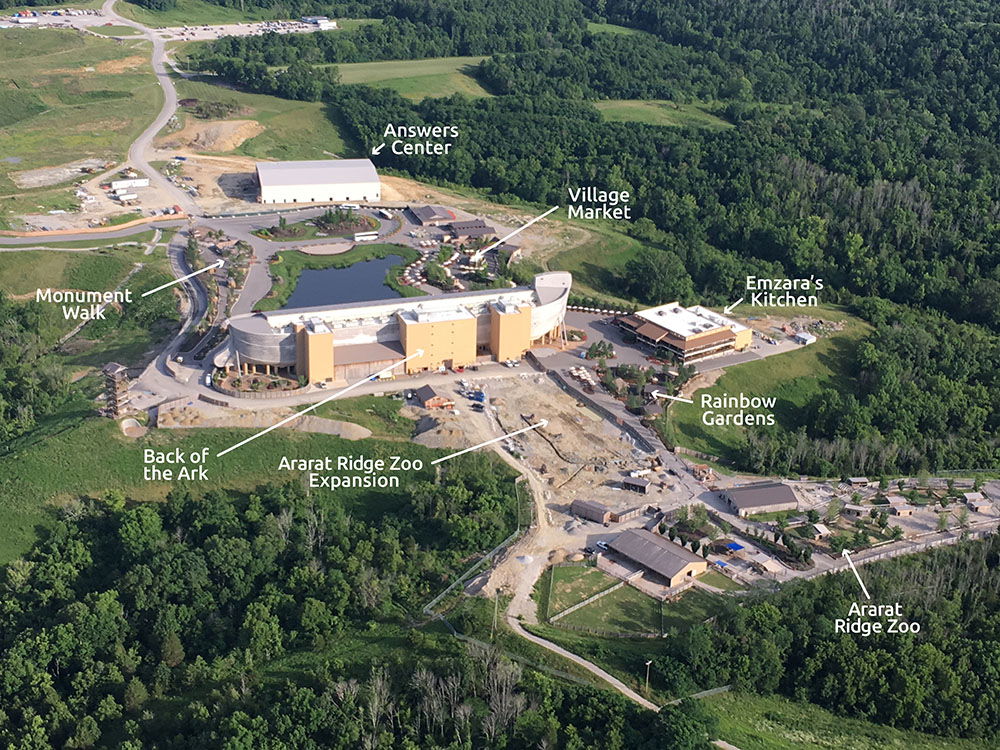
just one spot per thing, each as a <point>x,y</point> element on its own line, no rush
<point>576,455</point>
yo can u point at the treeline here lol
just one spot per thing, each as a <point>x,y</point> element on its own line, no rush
<point>178,624</point>
<point>928,398</point>
<point>29,386</point>
<point>411,29</point>
<point>613,66</point>
<point>944,680</point>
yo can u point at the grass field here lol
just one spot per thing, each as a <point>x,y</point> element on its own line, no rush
<point>293,130</point>
<point>192,13</point>
<point>574,583</point>
<point>793,378</point>
<point>416,79</point>
<point>753,722</point>
<point>610,28</point>
<point>720,581</point>
<point>93,457</point>
<point>292,263</point>
<point>23,272</point>
<point>597,264</point>
<point>626,610</point>
<point>80,97</point>
<point>380,414</point>
<point>660,112</point>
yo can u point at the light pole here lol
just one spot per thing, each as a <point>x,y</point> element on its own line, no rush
<point>647,675</point>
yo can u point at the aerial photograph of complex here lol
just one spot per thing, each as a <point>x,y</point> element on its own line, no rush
<point>499,375</point>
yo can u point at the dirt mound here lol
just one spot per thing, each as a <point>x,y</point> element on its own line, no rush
<point>225,136</point>
<point>439,434</point>
<point>217,136</point>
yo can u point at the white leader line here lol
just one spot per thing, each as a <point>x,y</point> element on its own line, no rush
<point>851,563</point>
<point>494,440</point>
<point>661,394</point>
<point>519,229</point>
<point>296,415</point>
<point>217,264</point>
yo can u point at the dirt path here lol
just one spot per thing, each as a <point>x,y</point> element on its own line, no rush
<point>613,681</point>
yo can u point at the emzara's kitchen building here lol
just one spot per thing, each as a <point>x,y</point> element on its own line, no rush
<point>347,342</point>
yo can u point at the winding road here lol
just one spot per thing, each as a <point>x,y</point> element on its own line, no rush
<point>137,153</point>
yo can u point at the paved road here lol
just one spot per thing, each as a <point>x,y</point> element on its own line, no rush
<point>137,153</point>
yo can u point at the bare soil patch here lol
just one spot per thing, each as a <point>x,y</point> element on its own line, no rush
<point>217,136</point>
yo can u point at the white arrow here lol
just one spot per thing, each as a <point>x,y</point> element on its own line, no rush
<point>338,394</point>
<point>217,264</point>
<point>521,228</point>
<point>729,308</point>
<point>660,394</point>
<point>494,440</point>
<point>862,583</point>
<point>376,150</point>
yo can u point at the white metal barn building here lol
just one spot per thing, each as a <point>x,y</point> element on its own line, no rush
<point>324,181</point>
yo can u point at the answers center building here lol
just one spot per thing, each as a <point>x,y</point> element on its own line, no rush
<point>350,341</point>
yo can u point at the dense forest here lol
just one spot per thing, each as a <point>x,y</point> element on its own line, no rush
<point>945,679</point>
<point>33,380</point>
<point>928,398</point>
<point>177,625</point>
<point>29,387</point>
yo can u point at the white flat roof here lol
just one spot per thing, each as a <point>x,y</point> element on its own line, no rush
<point>323,172</point>
<point>688,321</point>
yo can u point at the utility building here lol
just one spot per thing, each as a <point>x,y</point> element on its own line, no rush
<point>326,181</point>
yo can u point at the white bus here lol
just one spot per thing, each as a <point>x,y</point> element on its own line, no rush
<point>365,236</point>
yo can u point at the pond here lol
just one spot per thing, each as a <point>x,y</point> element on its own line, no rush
<point>360,282</point>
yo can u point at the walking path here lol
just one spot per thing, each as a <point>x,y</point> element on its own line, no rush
<point>613,681</point>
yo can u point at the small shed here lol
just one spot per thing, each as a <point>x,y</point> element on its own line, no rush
<point>591,510</point>
<point>898,506</point>
<point>977,502</point>
<point>859,482</point>
<point>636,484</point>
<point>804,338</point>
<point>821,530</point>
<point>431,399</point>
<point>855,511</point>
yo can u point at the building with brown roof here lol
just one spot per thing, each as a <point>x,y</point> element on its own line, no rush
<point>760,497</point>
<point>661,556</point>
<point>431,399</point>
<point>591,510</point>
<point>690,333</point>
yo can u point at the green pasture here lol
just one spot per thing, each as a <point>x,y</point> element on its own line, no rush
<point>661,112</point>
<point>417,79</point>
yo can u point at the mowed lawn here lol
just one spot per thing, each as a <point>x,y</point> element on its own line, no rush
<point>625,610</point>
<point>661,112</point>
<point>793,378</point>
<point>66,96</point>
<point>754,722</point>
<point>292,130</point>
<point>598,262</point>
<point>417,79</point>
<point>572,584</point>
